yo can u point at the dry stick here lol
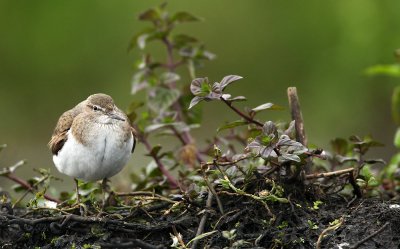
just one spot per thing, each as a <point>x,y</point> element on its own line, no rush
<point>27,186</point>
<point>331,228</point>
<point>27,191</point>
<point>294,105</point>
<point>145,193</point>
<point>329,174</point>
<point>370,236</point>
<point>172,181</point>
<point>179,237</point>
<point>203,220</point>
<point>212,189</point>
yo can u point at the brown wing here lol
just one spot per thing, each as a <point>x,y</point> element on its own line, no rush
<point>134,134</point>
<point>59,136</point>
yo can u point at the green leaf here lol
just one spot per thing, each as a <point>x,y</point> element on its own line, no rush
<point>138,82</point>
<point>195,101</point>
<point>228,80</point>
<point>269,129</point>
<point>182,40</point>
<point>390,169</point>
<point>200,87</point>
<point>162,98</point>
<point>374,161</point>
<point>237,99</point>
<point>366,172</point>
<point>266,106</point>
<point>343,159</point>
<point>340,146</point>
<point>386,69</point>
<point>150,15</point>
<point>142,38</point>
<point>201,236</point>
<point>169,77</point>
<point>3,146</point>
<point>289,157</point>
<point>154,151</point>
<point>131,111</point>
<point>232,125</point>
<point>372,182</point>
<point>154,127</point>
<point>18,188</point>
<point>396,105</point>
<point>135,39</point>
<point>184,16</point>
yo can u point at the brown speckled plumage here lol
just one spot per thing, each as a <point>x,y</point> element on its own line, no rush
<point>81,117</point>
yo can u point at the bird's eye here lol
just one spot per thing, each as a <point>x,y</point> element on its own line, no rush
<point>96,108</point>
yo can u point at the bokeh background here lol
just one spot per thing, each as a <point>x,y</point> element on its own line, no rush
<point>53,54</point>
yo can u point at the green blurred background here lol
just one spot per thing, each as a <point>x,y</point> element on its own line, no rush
<point>53,54</point>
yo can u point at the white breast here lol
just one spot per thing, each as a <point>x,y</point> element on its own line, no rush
<point>103,157</point>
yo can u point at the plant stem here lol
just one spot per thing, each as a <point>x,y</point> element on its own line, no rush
<point>240,113</point>
<point>28,187</point>
<point>330,174</point>
<point>185,137</point>
<point>172,181</point>
<point>203,220</point>
<point>297,116</point>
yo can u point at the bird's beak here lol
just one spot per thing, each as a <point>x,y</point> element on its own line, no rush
<point>116,116</point>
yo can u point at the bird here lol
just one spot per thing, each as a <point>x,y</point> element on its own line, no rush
<point>92,141</point>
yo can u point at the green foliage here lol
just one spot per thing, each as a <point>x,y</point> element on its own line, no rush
<point>387,69</point>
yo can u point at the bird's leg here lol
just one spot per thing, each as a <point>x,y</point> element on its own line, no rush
<point>78,200</point>
<point>104,190</point>
<point>82,206</point>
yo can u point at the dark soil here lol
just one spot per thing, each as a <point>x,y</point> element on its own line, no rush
<point>367,223</point>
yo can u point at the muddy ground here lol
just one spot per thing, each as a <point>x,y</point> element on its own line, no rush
<point>246,223</point>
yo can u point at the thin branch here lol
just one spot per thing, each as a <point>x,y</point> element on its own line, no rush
<point>203,220</point>
<point>229,162</point>
<point>370,236</point>
<point>294,104</point>
<point>27,186</point>
<point>27,191</point>
<point>185,137</point>
<point>144,193</point>
<point>212,189</point>
<point>301,137</point>
<point>329,174</point>
<point>240,113</point>
<point>172,181</point>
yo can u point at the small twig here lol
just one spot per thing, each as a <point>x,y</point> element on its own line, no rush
<point>301,137</point>
<point>144,193</point>
<point>133,243</point>
<point>240,113</point>
<point>27,186</point>
<point>203,220</point>
<point>179,237</point>
<point>370,236</point>
<point>329,174</point>
<point>325,231</point>
<point>294,105</point>
<point>228,163</point>
<point>211,188</point>
<point>28,190</point>
<point>172,181</point>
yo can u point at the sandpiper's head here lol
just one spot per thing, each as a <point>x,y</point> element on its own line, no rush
<point>102,105</point>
